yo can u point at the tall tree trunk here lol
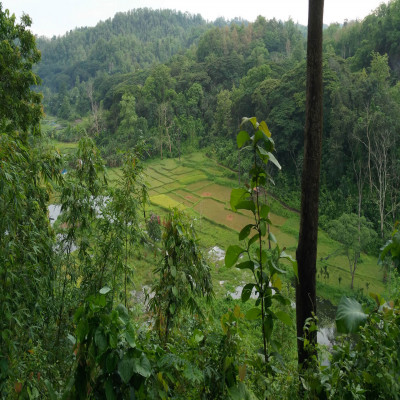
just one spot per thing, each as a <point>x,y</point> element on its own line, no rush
<point>307,249</point>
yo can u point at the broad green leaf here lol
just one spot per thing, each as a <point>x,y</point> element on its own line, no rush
<point>274,268</point>
<point>142,366</point>
<point>264,127</point>
<point>198,336</point>
<point>108,386</point>
<point>125,369</point>
<point>245,232</point>
<point>100,340</point>
<point>253,120</point>
<point>123,313</point>
<point>268,326</point>
<point>130,339</point>
<point>82,330</point>
<point>258,136</point>
<point>262,151</point>
<point>284,317</point>
<point>274,160</point>
<point>175,291</point>
<point>246,291</point>
<point>263,228</point>
<point>253,313</point>
<point>276,282</point>
<point>105,290</point>
<point>246,264</point>
<point>232,255</point>
<point>349,316</point>
<point>238,195</point>
<point>272,237</point>
<point>264,255</point>
<point>264,211</point>
<point>246,205</point>
<point>253,239</point>
<point>240,392</point>
<point>285,255</point>
<point>173,270</point>
<point>50,390</point>
<point>111,362</point>
<point>113,339</point>
<point>282,299</point>
<point>242,138</point>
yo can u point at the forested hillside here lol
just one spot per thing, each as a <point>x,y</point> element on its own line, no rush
<point>190,83</point>
<point>125,43</point>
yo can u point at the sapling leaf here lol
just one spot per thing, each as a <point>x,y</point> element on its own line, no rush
<point>245,232</point>
<point>125,369</point>
<point>272,237</point>
<point>238,195</point>
<point>284,317</point>
<point>242,138</point>
<point>258,136</point>
<point>246,205</point>
<point>268,326</point>
<point>274,268</point>
<point>263,228</point>
<point>253,313</point>
<point>246,265</point>
<point>246,291</point>
<point>105,290</point>
<point>264,211</point>
<point>142,366</point>
<point>253,120</point>
<point>262,151</point>
<point>264,127</point>
<point>232,255</point>
<point>276,282</point>
<point>252,240</point>
<point>274,160</point>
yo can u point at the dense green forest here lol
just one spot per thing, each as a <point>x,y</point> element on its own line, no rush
<point>160,85</point>
<point>195,88</point>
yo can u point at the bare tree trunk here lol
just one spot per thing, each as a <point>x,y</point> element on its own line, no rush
<point>307,249</point>
<point>96,110</point>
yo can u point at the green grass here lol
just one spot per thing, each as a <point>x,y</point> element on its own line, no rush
<point>166,202</point>
<point>64,148</point>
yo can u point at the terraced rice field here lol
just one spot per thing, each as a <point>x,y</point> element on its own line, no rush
<point>202,188</point>
<point>180,185</point>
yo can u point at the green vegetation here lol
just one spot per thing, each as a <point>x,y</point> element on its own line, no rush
<point>126,295</point>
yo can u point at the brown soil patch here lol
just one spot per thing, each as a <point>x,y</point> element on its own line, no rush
<point>229,217</point>
<point>218,192</point>
<point>206,194</point>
